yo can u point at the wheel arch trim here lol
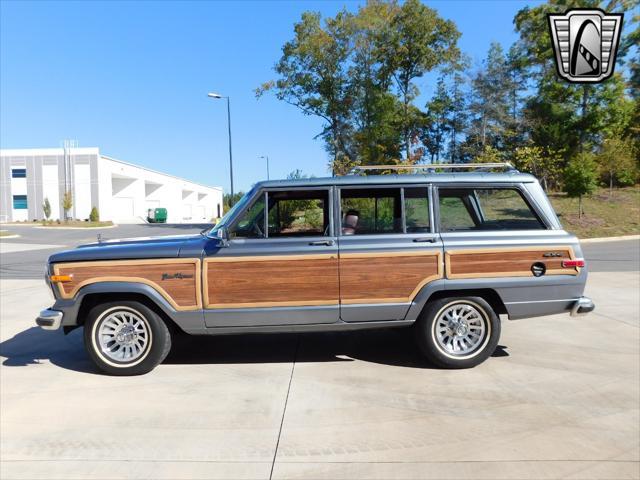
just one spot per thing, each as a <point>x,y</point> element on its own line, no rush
<point>446,288</point>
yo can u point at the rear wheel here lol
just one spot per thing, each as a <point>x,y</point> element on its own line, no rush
<point>458,332</point>
<point>126,338</point>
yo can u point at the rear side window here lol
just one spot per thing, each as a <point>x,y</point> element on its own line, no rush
<point>416,210</point>
<point>486,209</point>
<point>378,210</point>
<point>367,211</point>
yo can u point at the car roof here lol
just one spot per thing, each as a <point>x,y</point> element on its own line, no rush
<point>461,177</point>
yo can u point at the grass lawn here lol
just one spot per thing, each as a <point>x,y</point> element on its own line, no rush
<point>603,216</point>
<point>76,224</point>
<point>6,233</point>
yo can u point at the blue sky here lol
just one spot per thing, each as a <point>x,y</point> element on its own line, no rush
<point>132,78</point>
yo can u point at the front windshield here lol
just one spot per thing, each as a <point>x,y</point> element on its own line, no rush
<point>230,214</point>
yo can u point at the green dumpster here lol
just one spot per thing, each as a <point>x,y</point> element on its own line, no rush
<point>157,215</point>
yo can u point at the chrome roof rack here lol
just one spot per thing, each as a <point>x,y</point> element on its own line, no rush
<point>433,166</point>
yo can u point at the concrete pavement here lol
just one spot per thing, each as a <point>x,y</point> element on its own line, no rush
<point>559,399</point>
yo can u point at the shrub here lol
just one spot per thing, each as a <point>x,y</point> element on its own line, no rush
<point>94,216</point>
<point>46,208</point>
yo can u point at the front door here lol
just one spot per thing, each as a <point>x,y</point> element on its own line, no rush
<point>388,250</point>
<point>280,266</point>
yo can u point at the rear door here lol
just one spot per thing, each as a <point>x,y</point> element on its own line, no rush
<point>388,249</point>
<point>496,237</point>
<point>280,266</point>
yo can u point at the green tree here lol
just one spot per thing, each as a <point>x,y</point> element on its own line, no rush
<point>419,41</point>
<point>313,76</point>
<point>229,201</point>
<point>580,178</point>
<point>439,112</point>
<point>94,215</point>
<point>376,112</point>
<point>356,71</point>
<point>617,162</point>
<point>561,116</point>
<point>458,116</point>
<point>546,165</point>
<point>46,208</point>
<point>489,107</point>
<point>67,203</point>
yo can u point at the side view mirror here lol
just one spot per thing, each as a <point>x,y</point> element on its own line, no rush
<point>223,235</point>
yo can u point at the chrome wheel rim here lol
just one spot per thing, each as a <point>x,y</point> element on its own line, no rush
<point>460,329</point>
<point>123,336</point>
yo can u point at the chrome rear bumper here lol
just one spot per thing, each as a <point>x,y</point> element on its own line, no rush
<point>582,306</point>
<point>49,319</point>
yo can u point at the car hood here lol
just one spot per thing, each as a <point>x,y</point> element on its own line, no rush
<point>134,248</point>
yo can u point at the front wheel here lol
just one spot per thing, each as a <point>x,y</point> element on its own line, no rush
<point>458,332</point>
<point>126,338</point>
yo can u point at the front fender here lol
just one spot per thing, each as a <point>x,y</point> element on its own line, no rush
<point>190,321</point>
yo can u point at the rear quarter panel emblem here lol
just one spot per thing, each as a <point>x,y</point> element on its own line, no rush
<point>585,44</point>
<point>179,276</point>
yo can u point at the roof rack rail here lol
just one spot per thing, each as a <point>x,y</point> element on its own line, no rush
<point>432,166</point>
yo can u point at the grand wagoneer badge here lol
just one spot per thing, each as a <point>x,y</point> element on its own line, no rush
<point>585,43</point>
<point>179,276</point>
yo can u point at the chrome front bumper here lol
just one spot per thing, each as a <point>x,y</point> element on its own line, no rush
<point>49,319</point>
<point>582,306</point>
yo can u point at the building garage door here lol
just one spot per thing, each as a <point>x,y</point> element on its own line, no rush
<point>123,212</point>
<point>200,213</point>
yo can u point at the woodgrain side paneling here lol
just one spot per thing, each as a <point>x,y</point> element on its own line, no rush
<point>507,262</point>
<point>394,277</point>
<point>270,281</point>
<point>181,293</point>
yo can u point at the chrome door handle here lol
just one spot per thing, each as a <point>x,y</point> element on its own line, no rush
<point>326,243</point>
<point>425,240</point>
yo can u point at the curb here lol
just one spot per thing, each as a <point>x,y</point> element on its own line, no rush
<point>76,228</point>
<point>9,236</point>
<point>610,239</point>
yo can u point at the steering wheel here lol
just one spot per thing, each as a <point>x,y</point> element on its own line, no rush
<point>256,230</point>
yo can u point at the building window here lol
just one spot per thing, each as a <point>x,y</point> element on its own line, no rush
<point>20,202</point>
<point>19,173</point>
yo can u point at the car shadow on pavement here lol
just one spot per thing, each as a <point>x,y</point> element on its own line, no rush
<point>394,347</point>
<point>391,346</point>
<point>33,345</point>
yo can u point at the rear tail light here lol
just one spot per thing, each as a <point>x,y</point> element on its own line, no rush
<point>577,263</point>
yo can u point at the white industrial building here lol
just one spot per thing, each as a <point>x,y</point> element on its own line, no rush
<point>122,192</point>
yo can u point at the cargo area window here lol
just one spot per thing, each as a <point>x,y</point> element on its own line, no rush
<point>486,209</point>
<point>291,213</point>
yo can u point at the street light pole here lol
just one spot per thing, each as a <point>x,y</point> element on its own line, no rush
<point>217,97</point>
<point>267,158</point>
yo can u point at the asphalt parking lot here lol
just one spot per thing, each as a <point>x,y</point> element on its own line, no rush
<point>560,398</point>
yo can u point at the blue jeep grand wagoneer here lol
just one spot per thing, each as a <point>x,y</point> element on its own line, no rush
<point>443,253</point>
